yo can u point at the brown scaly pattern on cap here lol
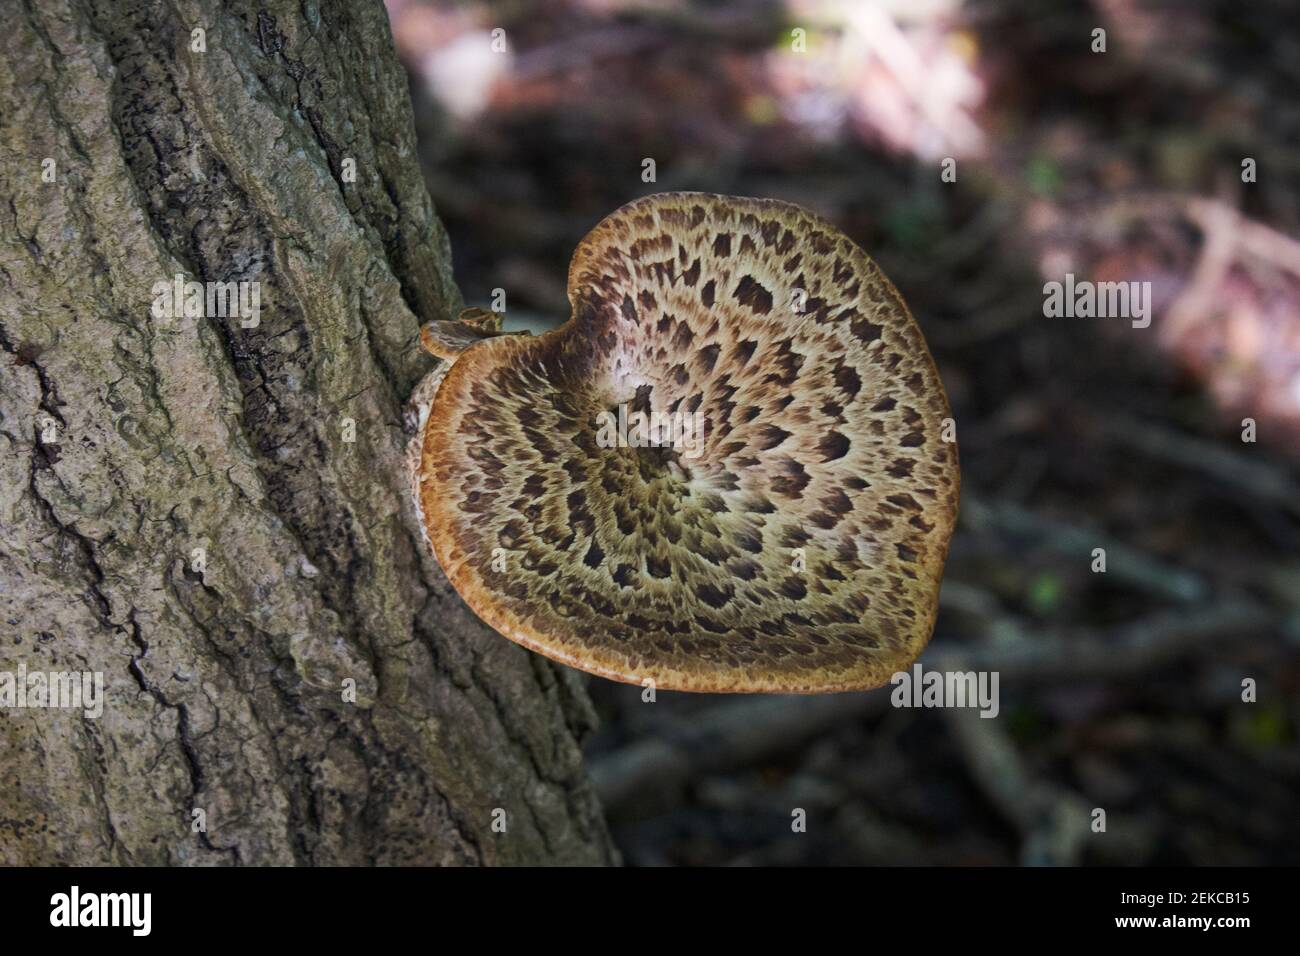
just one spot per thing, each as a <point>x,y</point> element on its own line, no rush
<point>822,434</point>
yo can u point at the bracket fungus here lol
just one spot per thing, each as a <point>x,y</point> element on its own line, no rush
<point>796,545</point>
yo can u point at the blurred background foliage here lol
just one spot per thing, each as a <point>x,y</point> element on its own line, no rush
<point>1120,691</point>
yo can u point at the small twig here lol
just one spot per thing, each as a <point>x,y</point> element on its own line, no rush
<point>1219,226</point>
<point>1262,480</point>
<point>1052,821</point>
<point>1123,562</point>
<point>1251,237</point>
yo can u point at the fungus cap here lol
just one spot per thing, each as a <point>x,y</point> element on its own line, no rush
<point>796,547</point>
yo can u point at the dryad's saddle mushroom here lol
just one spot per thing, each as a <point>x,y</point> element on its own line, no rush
<point>781,523</point>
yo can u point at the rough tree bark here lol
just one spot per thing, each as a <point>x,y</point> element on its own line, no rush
<point>127,442</point>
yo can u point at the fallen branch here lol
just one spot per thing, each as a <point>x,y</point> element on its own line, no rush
<point>741,732</point>
<point>1260,479</point>
<point>1123,563</point>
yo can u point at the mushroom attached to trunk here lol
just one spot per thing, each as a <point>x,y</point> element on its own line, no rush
<point>726,471</point>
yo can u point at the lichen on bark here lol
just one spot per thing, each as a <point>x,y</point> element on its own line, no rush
<point>224,685</point>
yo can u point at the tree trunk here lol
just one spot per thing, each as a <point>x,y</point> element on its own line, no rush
<point>215,516</point>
